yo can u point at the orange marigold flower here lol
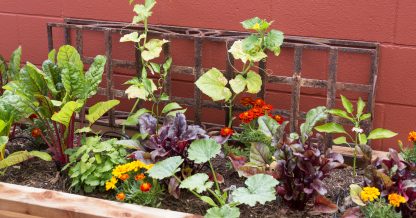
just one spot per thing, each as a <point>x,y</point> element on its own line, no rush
<point>246,101</point>
<point>257,112</point>
<point>259,102</point>
<point>124,177</point>
<point>267,107</point>
<point>140,176</point>
<point>279,119</point>
<point>145,187</point>
<point>246,117</point>
<point>121,196</point>
<point>395,199</point>
<point>412,136</point>
<point>226,131</point>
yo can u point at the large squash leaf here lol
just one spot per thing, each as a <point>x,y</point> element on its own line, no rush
<point>202,150</point>
<point>260,188</point>
<point>223,212</point>
<point>99,109</point>
<point>212,83</point>
<point>165,168</point>
<point>198,183</point>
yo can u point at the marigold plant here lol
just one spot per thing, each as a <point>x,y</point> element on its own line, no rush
<point>132,185</point>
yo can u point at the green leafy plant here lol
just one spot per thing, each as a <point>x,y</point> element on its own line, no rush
<point>56,93</point>
<point>358,139</point>
<point>132,184</point>
<point>409,154</point>
<point>9,72</point>
<point>250,50</point>
<point>18,156</point>
<point>143,87</point>
<point>91,164</point>
<point>259,188</point>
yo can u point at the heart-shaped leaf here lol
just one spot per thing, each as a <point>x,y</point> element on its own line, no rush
<point>260,188</point>
<point>202,150</point>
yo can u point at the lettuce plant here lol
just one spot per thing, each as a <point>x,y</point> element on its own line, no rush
<point>394,175</point>
<point>260,188</point>
<point>250,50</point>
<point>358,139</point>
<point>56,93</point>
<point>90,164</point>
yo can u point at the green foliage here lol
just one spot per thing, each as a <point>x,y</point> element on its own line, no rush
<point>313,117</point>
<point>213,83</point>
<point>358,138</point>
<point>249,50</point>
<point>408,154</point>
<point>166,168</point>
<point>55,94</point>
<point>96,111</point>
<point>379,209</point>
<point>260,188</point>
<point>90,165</point>
<point>202,150</point>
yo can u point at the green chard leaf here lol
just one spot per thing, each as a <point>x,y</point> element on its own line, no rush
<point>98,110</point>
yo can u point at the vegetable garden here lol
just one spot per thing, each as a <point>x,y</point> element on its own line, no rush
<point>263,162</point>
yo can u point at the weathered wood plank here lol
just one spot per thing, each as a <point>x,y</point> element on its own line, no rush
<point>24,201</point>
<point>349,152</point>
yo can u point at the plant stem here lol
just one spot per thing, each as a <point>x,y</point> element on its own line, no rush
<point>123,129</point>
<point>214,176</point>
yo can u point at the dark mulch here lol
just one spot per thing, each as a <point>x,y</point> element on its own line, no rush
<point>41,174</point>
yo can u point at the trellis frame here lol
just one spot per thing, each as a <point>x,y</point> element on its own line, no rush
<point>199,36</point>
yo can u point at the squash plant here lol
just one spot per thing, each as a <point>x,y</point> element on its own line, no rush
<point>250,50</point>
<point>143,87</point>
<point>358,139</point>
<point>260,188</point>
<point>56,93</point>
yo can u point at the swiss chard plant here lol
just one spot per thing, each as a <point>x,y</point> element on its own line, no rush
<point>144,88</point>
<point>7,160</point>
<point>358,138</point>
<point>250,50</point>
<point>9,72</point>
<point>90,165</point>
<point>56,93</point>
<point>259,188</point>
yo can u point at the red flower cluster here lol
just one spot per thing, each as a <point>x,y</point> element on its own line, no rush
<point>258,108</point>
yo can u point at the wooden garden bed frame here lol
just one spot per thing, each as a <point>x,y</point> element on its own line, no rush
<point>29,202</point>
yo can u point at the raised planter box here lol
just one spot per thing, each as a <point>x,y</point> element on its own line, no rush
<point>28,202</point>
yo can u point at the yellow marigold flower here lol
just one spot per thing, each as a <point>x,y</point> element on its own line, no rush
<point>111,184</point>
<point>412,136</point>
<point>395,199</point>
<point>129,167</point>
<point>369,193</point>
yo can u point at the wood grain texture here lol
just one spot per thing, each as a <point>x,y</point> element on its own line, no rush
<point>22,201</point>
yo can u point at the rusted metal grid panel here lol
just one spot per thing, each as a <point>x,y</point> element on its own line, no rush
<point>199,35</point>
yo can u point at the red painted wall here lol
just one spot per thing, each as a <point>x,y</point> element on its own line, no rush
<point>390,22</point>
